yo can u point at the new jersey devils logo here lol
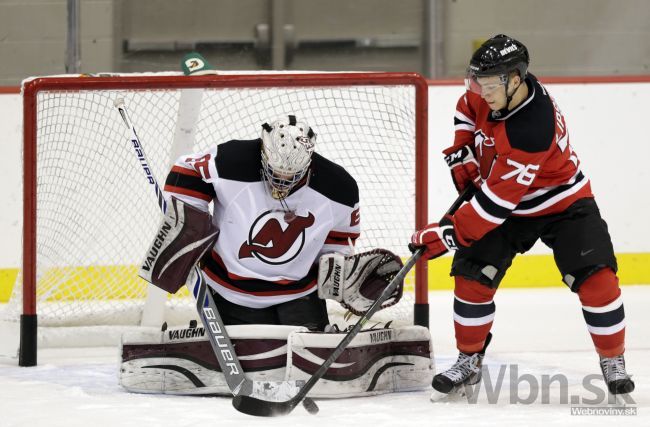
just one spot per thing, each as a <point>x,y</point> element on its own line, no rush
<point>269,242</point>
<point>485,148</point>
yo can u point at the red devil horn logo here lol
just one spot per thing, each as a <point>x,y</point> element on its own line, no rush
<point>271,242</point>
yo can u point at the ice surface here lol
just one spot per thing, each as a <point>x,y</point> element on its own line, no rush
<point>537,332</point>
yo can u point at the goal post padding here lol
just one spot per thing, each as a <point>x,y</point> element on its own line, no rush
<point>84,198</point>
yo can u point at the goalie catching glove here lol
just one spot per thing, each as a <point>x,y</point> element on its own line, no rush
<point>356,281</point>
<point>184,235</point>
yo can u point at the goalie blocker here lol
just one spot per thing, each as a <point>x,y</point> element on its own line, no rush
<point>181,362</point>
<point>184,235</point>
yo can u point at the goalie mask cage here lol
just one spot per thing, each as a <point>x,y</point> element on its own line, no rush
<point>89,213</point>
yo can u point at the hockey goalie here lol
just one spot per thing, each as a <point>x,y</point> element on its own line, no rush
<point>276,246</point>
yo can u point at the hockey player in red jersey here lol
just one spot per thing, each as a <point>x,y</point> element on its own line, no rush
<point>512,143</point>
<point>278,207</point>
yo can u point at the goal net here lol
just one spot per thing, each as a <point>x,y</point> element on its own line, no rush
<point>90,213</point>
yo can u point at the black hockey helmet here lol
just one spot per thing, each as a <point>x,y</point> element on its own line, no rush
<point>498,56</point>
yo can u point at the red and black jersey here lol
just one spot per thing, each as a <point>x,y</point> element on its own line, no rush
<point>527,165</point>
<point>267,252</point>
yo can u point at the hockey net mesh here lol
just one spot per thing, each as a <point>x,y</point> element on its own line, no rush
<point>96,213</point>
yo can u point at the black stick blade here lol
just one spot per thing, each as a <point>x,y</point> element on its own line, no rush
<point>262,408</point>
<point>310,406</point>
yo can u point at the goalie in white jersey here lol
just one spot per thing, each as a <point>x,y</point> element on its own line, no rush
<point>278,207</point>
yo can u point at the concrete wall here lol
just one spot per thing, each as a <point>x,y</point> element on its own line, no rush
<point>566,37</point>
<point>33,37</point>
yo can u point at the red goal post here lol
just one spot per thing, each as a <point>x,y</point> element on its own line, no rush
<point>71,95</point>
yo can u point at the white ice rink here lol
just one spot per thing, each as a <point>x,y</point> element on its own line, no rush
<point>539,332</point>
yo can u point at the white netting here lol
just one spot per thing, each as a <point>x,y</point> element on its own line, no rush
<point>96,212</point>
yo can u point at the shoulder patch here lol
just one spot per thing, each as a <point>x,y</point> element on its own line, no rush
<point>533,128</point>
<point>333,181</point>
<point>240,160</point>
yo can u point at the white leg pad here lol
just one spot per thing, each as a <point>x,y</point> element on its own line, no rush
<point>375,362</point>
<point>181,361</point>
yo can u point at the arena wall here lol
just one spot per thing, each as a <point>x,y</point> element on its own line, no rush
<point>605,117</point>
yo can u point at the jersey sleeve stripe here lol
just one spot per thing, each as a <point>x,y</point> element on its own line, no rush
<point>483,214</point>
<point>491,208</point>
<point>460,124</point>
<point>340,242</point>
<point>342,235</point>
<point>186,192</point>
<point>340,238</point>
<point>460,117</point>
<point>191,183</point>
<point>185,171</point>
<point>496,199</point>
<point>464,126</point>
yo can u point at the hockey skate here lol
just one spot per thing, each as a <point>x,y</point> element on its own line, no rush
<point>466,371</point>
<point>615,375</point>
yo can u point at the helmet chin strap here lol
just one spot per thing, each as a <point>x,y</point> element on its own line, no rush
<point>509,97</point>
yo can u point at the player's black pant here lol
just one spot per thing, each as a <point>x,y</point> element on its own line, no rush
<point>309,311</point>
<point>578,237</point>
<point>583,253</point>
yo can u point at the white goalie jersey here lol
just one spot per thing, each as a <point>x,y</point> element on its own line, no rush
<point>266,253</point>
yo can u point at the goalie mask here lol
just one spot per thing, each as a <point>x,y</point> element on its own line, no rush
<point>287,146</point>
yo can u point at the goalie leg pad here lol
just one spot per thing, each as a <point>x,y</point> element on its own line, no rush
<point>184,235</point>
<point>376,361</point>
<point>181,361</point>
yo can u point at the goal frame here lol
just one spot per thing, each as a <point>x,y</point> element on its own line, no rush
<point>28,320</point>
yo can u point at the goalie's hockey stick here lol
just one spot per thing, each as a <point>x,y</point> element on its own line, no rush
<point>215,329</point>
<point>263,408</point>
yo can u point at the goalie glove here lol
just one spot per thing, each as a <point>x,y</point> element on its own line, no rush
<point>356,281</point>
<point>463,166</point>
<point>184,235</point>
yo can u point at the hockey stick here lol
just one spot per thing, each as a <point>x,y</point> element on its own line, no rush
<point>224,351</point>
<point>189,108</point>
<point>262,408</point>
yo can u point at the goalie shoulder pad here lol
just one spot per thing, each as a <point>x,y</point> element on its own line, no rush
<point>356,281</point>
<point>184,235</point>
